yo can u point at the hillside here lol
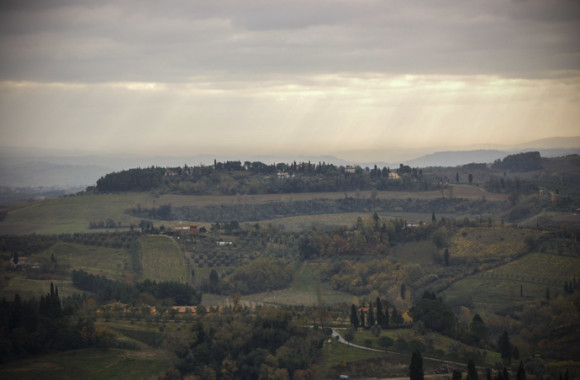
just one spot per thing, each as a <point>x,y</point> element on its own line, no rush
<point>439,249</point>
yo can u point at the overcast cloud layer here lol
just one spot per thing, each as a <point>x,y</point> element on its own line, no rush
<point>292,76</point>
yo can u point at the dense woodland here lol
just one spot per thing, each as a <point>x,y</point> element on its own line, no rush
<point>233,177</point>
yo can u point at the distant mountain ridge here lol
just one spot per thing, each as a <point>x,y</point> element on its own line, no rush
<point>457,158</point>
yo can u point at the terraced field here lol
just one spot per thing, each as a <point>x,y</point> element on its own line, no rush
<point>517,282</point>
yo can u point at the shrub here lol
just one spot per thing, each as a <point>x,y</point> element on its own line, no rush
<point>385,341</point>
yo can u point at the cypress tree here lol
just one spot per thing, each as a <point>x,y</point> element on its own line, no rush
<point>371,316</point>
<point>379,312</point>
<point>505,374</point>
<point>362,317</point>
<point>456,375</point>
<point>521,372</point>
<point>353,317</point>
<point>416,366</point>
<point>505,347</point>
<point>471,371</point>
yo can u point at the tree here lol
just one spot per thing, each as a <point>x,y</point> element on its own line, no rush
<point>470,178</point>
<point>471,371</point>
<point>456,375</point>
<point>213,281</point>
<point>403,290</point>
<point>504,346</point>
<point>505,374</point>
<point>371,316</point>
<point>416,366</point>
<point>521,372</point>
<point>354,317</point>
<point>385,341</point>
<point>382,317</point>
<point>15,258</point>
<point>396,317</point>
<point>362,318</point>
<point>349,335</point>
<point>547,293</point>
<point>457,177</point>
<point>478,329</point>
<point>446,257</point>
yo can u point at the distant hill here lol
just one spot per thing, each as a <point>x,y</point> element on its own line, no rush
<point>457,158</point>
<point>552,143</point>
<point>36,167</point>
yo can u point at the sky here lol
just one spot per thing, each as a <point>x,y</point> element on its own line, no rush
<point>291,76</point>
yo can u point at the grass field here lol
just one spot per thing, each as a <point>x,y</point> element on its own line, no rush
<point>72,214</point>
<point>340,359</point>
<point>28,288</point>
<point>440,342</point>
<point>489,242</point>
<point>140,332</point>
<point>414,252</point>
<point>89,364</point>
<point>338,355</point>
<point>109,262</point>
<point>298,223</point>
<point>302,291</point>
<point>459,191</point>
<point>500,287</point>
<point>162,259</point>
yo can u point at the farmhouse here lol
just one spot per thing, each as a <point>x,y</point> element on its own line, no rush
<point>23,262</point>
<point>283,174</point>
<point>394,175</point>
<point>350,169</point>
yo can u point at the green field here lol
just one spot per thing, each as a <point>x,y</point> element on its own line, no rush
<point>162,259</point>
<point>72,214</point>
<point>90,364</point>
<point>447,348</point>
<point>302,291</point>
<point>28,288</point>
<point>459,191</point>
<point>109,262</point>
<point>335,357</point>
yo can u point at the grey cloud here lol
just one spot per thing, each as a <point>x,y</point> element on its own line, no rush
<point>175,41</point>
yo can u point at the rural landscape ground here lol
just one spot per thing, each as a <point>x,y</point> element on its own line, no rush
<point>456,259</point>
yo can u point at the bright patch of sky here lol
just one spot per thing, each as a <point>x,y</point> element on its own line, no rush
<point>293,77</point>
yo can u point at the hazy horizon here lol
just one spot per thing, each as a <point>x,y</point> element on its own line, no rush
<point>350,79</point>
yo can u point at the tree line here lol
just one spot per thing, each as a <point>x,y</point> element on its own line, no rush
<point>31,327</point>
<point>242,212</point>
<point>268,345</point>
<point>108,290</point>
<point>233,177</point>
